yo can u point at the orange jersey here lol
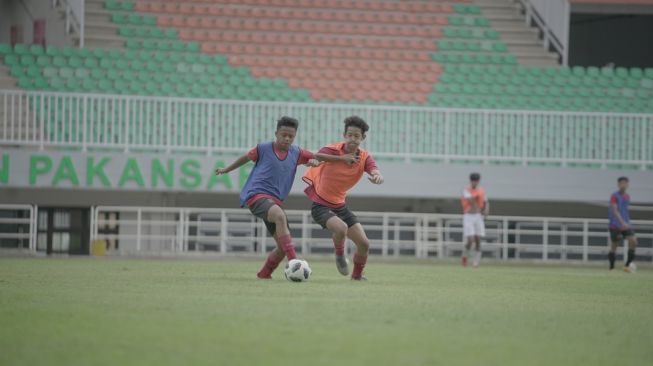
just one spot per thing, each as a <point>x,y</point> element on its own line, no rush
<point>478,195</point>
<point>332,180</point>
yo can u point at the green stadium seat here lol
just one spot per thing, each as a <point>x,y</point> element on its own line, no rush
<point>112,5</point>
<point>43,61</point>
<point>91,63</point>
<point>74,62</point>
<point>36,50</point>
<point>491,34</point>
<point>21,49</point>
<point>69,51</point>
<point>119,19</point>
<point>607,72</point>
<point>127,32</point>
<point>482,22</point>
<point>127,6</point>
<point>33,72</point>
<point>636,72</point>
<point>621,72</point>
<point>6,49</point>
<point>97,73</point>
<point>27,60</point>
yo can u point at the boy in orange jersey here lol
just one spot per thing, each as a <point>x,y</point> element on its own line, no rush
<point>475,208</point>
<point>328,184</point>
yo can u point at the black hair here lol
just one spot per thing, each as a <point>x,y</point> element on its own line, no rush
<point>474,177</point>
<point>355,121</point>
<point>622,179</point>
<point>286,121</point>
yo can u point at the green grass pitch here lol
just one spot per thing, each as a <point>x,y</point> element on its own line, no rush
<point>86,311</point>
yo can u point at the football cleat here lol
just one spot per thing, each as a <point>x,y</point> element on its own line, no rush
<point>342,264</point>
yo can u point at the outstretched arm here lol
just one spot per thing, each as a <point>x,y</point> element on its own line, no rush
<point>347,158</point>
<point>235,165</point>
<point>375,177</point>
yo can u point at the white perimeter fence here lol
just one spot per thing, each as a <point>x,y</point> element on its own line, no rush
<point>158,230</point>
<point>207,126</point>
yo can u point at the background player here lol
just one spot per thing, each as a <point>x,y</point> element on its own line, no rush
<point>327,188</point>
<point>268,186</point>
<point>475,208</point>
<point>620,224</point>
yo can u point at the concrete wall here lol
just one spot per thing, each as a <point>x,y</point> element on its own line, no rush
<point>417,187</point>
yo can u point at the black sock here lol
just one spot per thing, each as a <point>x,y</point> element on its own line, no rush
<point>631,256</point>
<point>611,259</point>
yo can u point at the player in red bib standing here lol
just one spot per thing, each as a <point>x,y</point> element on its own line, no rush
<point>328,184</point>
<point>270,182</point>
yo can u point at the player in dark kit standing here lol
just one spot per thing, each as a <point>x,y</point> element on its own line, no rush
<point>269,184</point>
<point>620,225</point>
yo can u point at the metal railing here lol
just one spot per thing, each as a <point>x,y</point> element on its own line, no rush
<point>18,227</point>
<point>552,18</point>
<point>160,124</point>
<point>185,230</point>
<point>74,16</point>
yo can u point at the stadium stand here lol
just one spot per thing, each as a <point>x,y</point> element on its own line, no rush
<point>439,53</point>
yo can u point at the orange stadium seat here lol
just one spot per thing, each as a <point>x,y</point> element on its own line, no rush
<point>394,50</point>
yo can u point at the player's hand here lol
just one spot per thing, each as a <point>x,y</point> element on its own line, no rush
<point>313,163</point>
<point>376,179</point>
<point>625,227</point>
<point>350,158</point>
<point>221,171</point>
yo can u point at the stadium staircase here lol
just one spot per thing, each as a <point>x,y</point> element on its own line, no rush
<point>522,41</point>
<point>440,53</point>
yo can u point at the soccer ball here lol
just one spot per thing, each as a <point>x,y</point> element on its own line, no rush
<point>633,267</point>
<point>297,270</point>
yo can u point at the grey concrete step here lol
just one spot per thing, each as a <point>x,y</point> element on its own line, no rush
<point>94,6</point>
<point>101,25</point>
<point>504,16</point>
<point>537,61</point>
<point>97,16</point>
<point>7,81</point>
<point>97,41</point>
<point>485,3</point>
<point>521,40</point>
<point>499,11</point>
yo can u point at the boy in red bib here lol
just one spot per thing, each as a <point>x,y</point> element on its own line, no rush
<point>328,184</point>
<point>270,182</point>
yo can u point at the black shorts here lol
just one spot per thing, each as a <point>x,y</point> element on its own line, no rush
<point>617,234</point>
<point>260,209</point>
<point>322,214</point>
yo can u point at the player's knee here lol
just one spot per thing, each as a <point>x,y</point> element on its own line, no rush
<point>363,244</point>
<point>338,227</point>
<point>277,216</point>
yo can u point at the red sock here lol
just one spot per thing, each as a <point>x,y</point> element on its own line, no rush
<point>285,242</point>
<point>340,247</point>
<point>271,263</point>
<point>359,265</point>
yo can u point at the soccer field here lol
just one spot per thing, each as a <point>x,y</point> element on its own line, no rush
<point>86,311</point>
